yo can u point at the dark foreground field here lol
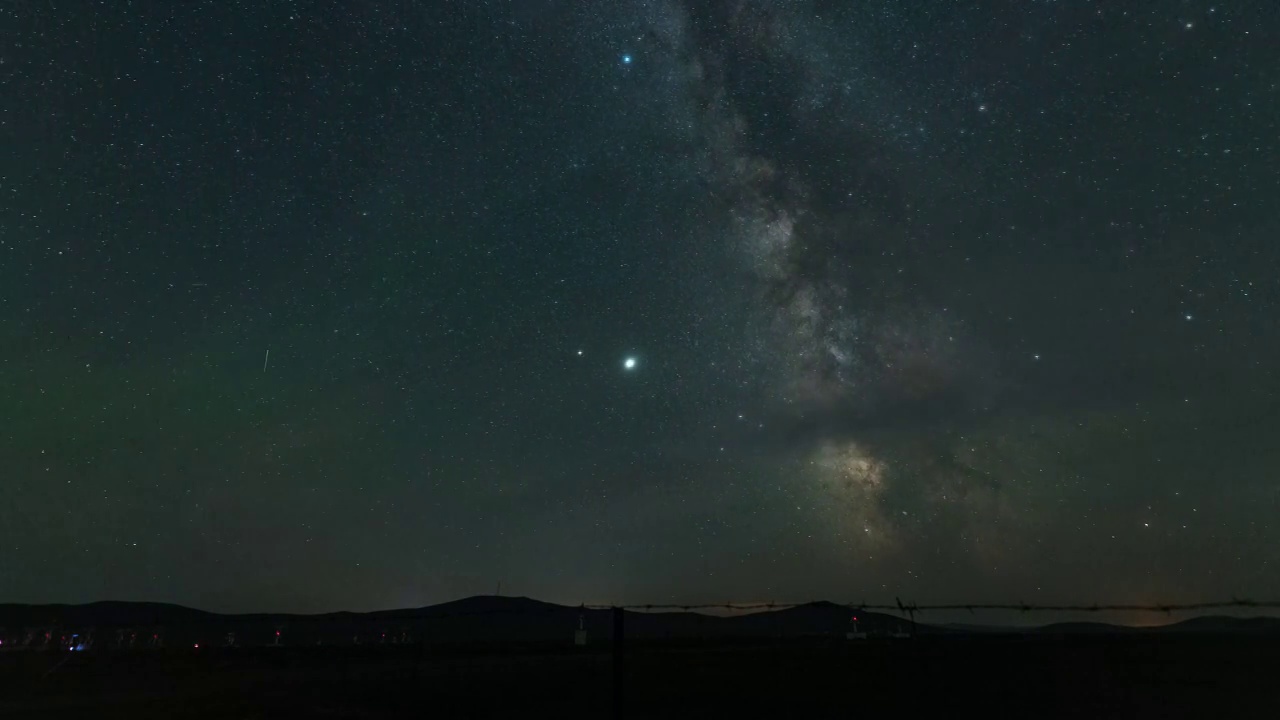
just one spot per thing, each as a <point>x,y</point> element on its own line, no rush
<point>971,676</point>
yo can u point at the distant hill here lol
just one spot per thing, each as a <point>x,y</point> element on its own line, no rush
<point>976,629</point>
<point>509,619</point>
<point>1084,628</point>
<point>1208,624</point>
<point>106,613</point>
<point>1223,624</point>
<point>474,619</point>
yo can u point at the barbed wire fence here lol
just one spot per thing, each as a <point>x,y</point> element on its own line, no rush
<point>537,608</point>
<point>909,610</point>
<point>912,608</point>
<point>896,606</point>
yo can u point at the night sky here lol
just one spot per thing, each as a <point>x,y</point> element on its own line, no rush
<point>315,305</point>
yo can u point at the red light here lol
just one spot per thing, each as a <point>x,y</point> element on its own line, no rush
<point>855,618</point>
<point>197,646</point>
<point>277,633</point>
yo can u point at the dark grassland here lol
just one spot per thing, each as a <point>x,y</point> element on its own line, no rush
<point>960,675</point>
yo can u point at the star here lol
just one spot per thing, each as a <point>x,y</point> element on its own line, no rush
<point>626,59</point>
<point>629,363</point>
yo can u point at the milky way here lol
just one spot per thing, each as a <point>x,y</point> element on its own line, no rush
<point>815,213</point>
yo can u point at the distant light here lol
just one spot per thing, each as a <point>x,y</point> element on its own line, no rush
<point>629,363</point>
<point>1188,317</point>
<point>626,59</point>
<point>197,646</point>
<point>579,353</point>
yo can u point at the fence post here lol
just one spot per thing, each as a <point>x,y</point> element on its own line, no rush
<point>619,641</point>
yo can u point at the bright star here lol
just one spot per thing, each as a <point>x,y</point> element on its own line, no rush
<point>626,59</point>
<point>629,363</point>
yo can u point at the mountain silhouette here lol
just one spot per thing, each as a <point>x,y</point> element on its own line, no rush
<point>493,619</point>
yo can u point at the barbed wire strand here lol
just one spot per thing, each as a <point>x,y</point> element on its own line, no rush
<point>900,606</point>
<point>399,617</point>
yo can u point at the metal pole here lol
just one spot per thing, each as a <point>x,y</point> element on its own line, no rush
<point>619,641</point>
